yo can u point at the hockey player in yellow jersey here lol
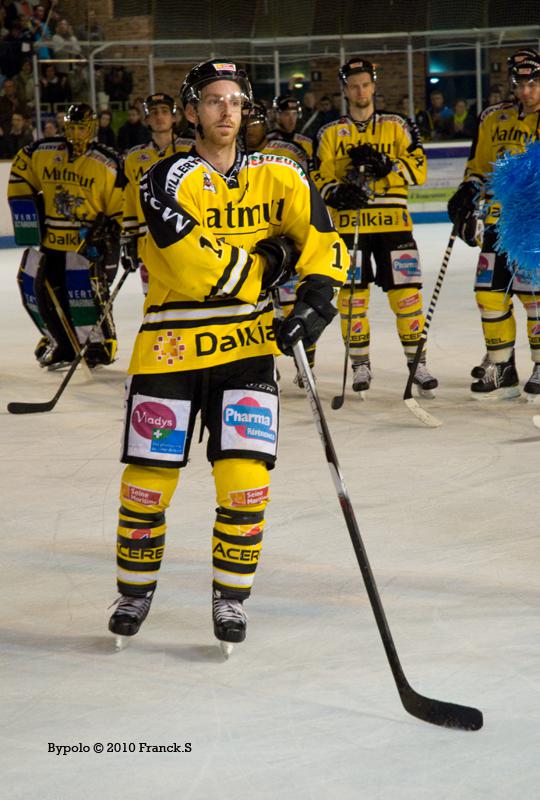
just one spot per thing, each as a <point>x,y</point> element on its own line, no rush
<point>224,228</point>
<point>258,139</point>
<point>160,113</point>
<point>365,163</point>
<point>502,128</point>
<point>77,184</point>
<point>288,111</point>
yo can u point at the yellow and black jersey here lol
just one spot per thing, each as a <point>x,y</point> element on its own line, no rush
<point>502,128</point>
<point>281,147</point>
<point>294,138</point>
<point>137,161</point>
<point>74,190</point>
<point>393,134</point>
<point>204,305</point>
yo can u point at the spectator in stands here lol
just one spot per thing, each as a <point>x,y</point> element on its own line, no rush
<point>24,83</point>
<point>14,47</point>
<point>59,125</point>
<point>18,10</point>
<point>79,83</point>
<point>309,112</point>
<point>3,30</point>
<point>337,99</point>
<point>65,44</point>
<point>10,103</point>
<point>421,118</point>
<point>133,131</point>
<point>50,129</point>
<point>41,30</point>
<point>495,95</point>
<point>380,102</point>
<point>106,135</point>
<point>462,126</point>
<point>54,86</point>
<point>118,84</point>
<point>19,135</point>
<point>440,115</point>
<point>90,30</point>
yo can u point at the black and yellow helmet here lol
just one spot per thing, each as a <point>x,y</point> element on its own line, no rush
<point>80,125</point>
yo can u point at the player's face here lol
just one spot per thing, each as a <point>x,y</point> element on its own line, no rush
<point>288,120</point>
<point>219,112</point>
<point>528,94</point>
<point>255,133</point>
<point>160,118</point>
<point>359,90</point>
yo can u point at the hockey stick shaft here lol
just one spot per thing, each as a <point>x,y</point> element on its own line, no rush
<point>434,297</point>
<point>435,711</point>
<point>30,408</point>
<point>339,400</point>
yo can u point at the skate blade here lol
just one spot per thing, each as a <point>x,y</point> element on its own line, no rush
<point>507,393</point>
<point>120,642</point>
<point>427,394</point>
<point>226,649</point>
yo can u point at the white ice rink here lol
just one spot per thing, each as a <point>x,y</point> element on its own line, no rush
<point>306,708</point>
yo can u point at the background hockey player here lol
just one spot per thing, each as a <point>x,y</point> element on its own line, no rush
<point>366,162</point>
<point>288,112</point>
<point>160,113</point>
<point>76,184</point>
<point>504,127</point>
<point>221,225</point>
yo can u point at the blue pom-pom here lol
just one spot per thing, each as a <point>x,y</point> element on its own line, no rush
<point>515,184</point>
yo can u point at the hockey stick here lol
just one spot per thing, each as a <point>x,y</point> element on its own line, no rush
<point>35,408</point>
<point>339,399</point>
<point>438,712</point>
<point>70,333</point>
<point>419,412</point>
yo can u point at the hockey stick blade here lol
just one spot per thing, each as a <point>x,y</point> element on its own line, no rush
<point>439,712</point>
<point>421,413</point>
<point>31,408</point>
<point>337,402</point>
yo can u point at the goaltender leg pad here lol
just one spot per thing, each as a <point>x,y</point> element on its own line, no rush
<point>26,220</point>
<point>242,492</point>
<point>242,412</point>
<point>407,306</point>
<point>145,494</point>
<point>30,271</point>
<point>498,323</point>
<point>360,331</point>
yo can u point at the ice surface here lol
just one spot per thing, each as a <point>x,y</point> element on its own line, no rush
<point>306,708</point>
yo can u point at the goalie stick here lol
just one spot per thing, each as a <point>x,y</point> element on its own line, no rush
<point>36,408</point>
<point>419,412</point>
<point>437,712</point>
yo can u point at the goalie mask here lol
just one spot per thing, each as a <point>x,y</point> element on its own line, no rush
<point>215,70</point>
<point>80,124</point>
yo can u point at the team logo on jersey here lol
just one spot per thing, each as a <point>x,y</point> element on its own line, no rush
<point>207,183</point>
<point>168,348</point>
<point>343,132</point>
<point>406,264</point>
<point>157,422</point>
<point>251,420</point>
<point>144,157</point>
<point>66,204</point>
<point>57,159</point>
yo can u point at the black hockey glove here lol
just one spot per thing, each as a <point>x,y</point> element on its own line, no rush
<point>463,212</point>
<point>129,257</point>
<point>347,197</point>
<point>280,258</point>
<point>311,313</point>
<point>376,165</point>
<point>95,238</point>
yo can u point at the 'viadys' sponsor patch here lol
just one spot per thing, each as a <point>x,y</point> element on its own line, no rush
<point>249,421</point>
<point>158,428</point>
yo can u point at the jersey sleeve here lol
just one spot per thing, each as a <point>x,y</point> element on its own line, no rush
<point>22,179</point>
<point>185,256</point>
<point>130,205</point>
<point>324,175</point>
<point>479,162</point>
<point>410,163</point>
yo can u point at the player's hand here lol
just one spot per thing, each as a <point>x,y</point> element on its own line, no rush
<point>347,197</point>
<point>310,315</point>
<point>376,165</point>
<point>280,258</point>
<point>464,200</point>
<point>129,257</point>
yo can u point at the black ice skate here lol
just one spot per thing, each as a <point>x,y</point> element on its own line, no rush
<point>423,379</point>
<point>532,387</point>
<point>56,357</point>
<point>230,621</point>
<point>499,382</point>
<point>130,614</point>
<point>361,376</point>
<point>478,371</point>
